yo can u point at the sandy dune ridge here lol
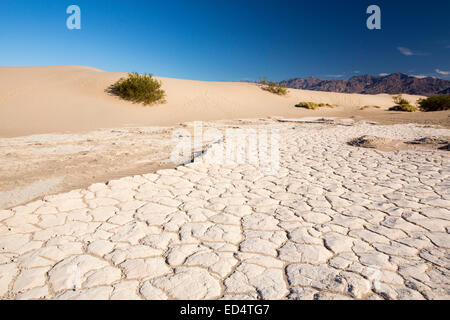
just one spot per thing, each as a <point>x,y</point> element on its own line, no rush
<point>59,99</point>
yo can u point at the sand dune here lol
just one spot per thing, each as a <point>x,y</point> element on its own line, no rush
<point>61,99</point>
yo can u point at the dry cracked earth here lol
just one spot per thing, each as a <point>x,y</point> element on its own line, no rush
<point>334,222</point>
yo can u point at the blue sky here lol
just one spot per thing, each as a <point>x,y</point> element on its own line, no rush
<point>230,39</point>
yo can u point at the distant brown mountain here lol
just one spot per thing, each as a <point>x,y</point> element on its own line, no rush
<point>394,83</point>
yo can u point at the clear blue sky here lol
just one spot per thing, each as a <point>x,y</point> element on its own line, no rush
<point>230,39</point>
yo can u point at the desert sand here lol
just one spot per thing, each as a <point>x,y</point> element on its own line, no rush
<point>94,209</point>
<point>63,99</point>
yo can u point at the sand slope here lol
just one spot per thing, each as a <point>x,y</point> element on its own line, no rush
<point>73,99</point>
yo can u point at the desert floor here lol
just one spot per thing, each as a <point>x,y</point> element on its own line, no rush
<point>333,221</point>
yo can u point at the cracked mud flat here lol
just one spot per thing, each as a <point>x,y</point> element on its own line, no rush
<point>38,165</point>
<point>335,222</point>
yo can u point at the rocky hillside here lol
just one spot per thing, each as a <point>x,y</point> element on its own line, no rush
<point>394,83</point>
<point>446,91</point>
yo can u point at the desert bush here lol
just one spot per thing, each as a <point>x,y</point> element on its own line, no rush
<point>435,103</point>
<point>404,108</point>
<point>276,88</point>
<point>308,105</point>
<point>402,105</point>
<point>263,80</point>
<point>312,105</point>
<point>370,107</point>
<point>139,88</point>
<point>400,100</point>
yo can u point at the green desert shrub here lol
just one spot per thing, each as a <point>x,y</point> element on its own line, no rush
<point>263,80</point>
<point>370,107</point>
<point>435,103</point>
<point>308,105</point>
<point>402,105</point>
<point>404,108</point>
<point>312,105</point>
<point>139,88</point>
<point>276,88</point>
<point>400,100</point>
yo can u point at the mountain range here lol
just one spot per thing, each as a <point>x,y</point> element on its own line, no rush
<point>394,83</point>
